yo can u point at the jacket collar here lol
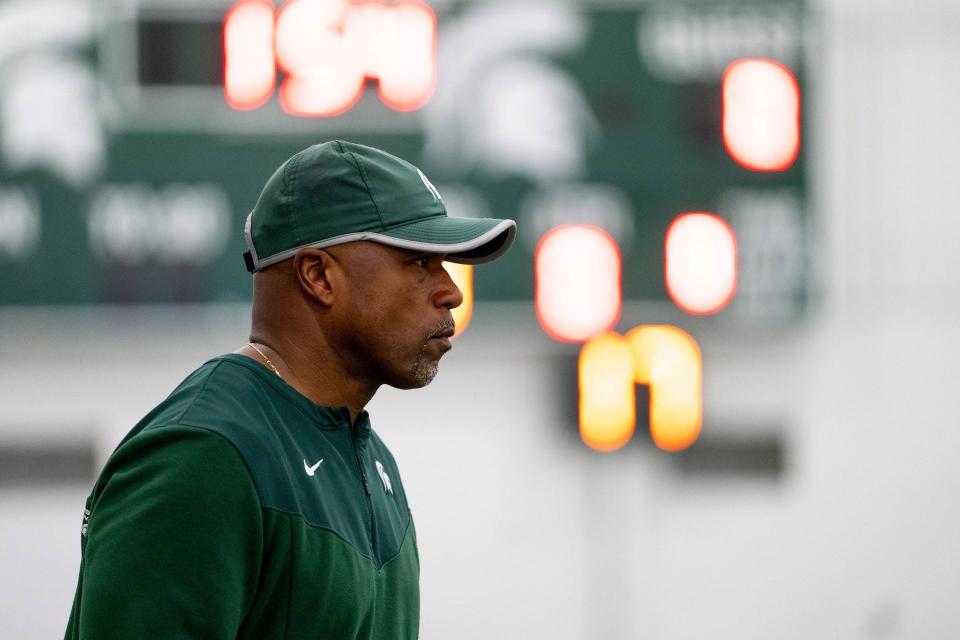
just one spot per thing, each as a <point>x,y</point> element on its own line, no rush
<point>324,417</point>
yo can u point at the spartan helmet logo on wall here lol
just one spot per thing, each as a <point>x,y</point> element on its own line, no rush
<point>50,111</point>
<point>501,106</point>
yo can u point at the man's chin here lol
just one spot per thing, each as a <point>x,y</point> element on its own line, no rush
<point>422,374</point>
<point>408,385</point>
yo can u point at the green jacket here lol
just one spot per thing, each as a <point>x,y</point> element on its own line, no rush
<point>239,509</point>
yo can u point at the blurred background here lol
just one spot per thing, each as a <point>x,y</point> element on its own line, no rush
<point>707,394</point>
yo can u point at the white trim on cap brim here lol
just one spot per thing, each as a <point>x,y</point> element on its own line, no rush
<point>508,226</point>
<point>248,237</point>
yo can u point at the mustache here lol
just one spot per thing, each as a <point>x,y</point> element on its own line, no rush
<point>444,328</point>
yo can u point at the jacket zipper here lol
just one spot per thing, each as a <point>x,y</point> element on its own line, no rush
<point>366,490</point>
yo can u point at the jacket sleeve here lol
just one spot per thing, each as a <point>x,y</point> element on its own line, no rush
<point>173,542</point>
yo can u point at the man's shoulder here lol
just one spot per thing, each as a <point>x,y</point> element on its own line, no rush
<point>222,383</point>
<point>220,392</point>
<point>224,400</point>
<point>221,396</point>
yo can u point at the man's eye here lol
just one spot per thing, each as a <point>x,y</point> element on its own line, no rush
<point>424,262</point>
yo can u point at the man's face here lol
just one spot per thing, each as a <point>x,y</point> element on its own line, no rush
<point>395,316</point>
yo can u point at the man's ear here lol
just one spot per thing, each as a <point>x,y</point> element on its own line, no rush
<point>317,274</point>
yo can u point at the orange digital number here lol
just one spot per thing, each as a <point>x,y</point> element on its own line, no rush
<point>662,357</point>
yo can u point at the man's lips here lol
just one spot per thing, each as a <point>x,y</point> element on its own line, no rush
<point>443,340</point>
<point>443,337</point>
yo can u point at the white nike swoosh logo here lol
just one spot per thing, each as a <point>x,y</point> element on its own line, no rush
<point>311,470</point>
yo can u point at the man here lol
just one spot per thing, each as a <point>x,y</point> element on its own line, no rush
<point>256,501</point>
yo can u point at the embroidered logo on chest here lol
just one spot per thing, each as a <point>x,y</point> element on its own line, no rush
<point>387,487</point>
<point>311,468</point>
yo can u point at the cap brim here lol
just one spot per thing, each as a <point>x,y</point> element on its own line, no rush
<point>464,240</point>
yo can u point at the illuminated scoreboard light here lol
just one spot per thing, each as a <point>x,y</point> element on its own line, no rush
<point>666,360</point>
<point>326,51</point>
<point>249,62</point>
<point>577,272</point>
<point>701,263</point>
<point>761,114</point>
<point>462,275</point>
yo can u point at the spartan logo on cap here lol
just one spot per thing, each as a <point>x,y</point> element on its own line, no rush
<point>429,185</point>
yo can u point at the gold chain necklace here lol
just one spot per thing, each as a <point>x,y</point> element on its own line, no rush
<point>265,359</point>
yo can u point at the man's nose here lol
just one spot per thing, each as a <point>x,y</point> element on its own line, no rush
<point>447,294</point>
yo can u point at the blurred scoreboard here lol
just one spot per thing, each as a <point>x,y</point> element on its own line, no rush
<point>136,136</point>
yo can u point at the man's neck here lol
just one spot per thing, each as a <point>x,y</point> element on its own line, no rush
<point>320,377</point>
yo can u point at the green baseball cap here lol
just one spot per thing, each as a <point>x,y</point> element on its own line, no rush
<point>339,192</point>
